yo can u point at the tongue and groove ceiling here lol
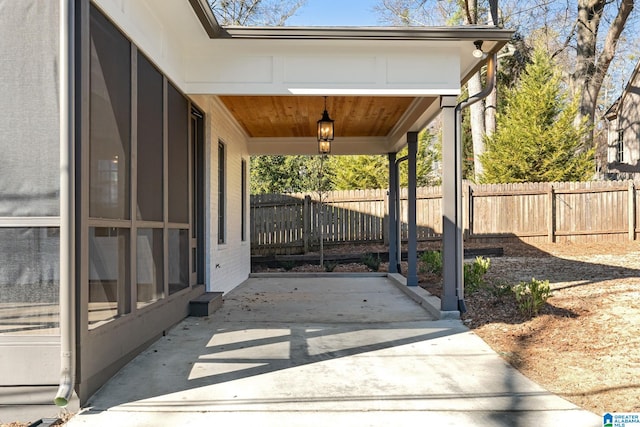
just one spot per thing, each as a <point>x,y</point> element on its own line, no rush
<point>296,116</point>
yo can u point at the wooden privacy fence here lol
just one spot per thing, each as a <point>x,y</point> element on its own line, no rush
<point>531,212</point>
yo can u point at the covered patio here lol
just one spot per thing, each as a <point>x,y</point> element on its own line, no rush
<point>381,86</point>
<point>153,117</point>
<point>318,351</point>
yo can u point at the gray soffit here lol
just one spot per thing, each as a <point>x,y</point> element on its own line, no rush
<point>371,33</point>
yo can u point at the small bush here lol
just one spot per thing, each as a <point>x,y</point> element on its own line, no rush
<point>500,290</point>
<point>287,265</point>
<point>474,273</point>
<point>431,262</point>
<point>372,262</point>
<point>531,296</point>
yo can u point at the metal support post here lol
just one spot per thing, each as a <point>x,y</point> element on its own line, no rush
<point>412,246</point>
<point>393,217</point>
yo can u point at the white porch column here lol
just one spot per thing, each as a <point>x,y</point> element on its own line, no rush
<point>452,251</point>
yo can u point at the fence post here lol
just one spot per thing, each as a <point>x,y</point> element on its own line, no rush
<point>631,206</point>
<point>551,214</point>
<point>306,223</point>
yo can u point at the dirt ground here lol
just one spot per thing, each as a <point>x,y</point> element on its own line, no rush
<point>585,343</point>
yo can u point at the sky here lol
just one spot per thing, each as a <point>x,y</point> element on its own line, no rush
<point>335,13</point>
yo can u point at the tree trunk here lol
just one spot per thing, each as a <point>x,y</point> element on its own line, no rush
<point>489,129</point>
<point>490,108</point>
<point>477,120</point>
<point>591,69</point>
<point>491,101</point>
<point>476,111</point>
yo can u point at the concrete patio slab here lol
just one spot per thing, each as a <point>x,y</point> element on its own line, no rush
<point>318,351</point>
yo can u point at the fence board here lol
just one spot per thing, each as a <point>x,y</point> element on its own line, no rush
<point>533,212</point>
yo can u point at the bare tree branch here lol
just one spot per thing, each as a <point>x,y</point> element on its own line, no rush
<point>255,12</point>
<point>567,41</point>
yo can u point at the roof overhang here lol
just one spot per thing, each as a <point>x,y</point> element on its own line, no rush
<point>369,69</point>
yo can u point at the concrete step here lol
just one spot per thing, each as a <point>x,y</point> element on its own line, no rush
<point>206,304</point>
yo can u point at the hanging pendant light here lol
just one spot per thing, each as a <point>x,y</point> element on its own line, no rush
<point>325,131</point>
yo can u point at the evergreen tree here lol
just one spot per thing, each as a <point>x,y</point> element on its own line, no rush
<point>287,174</point>
<point>369,172</point>
<point>360,172</point>
<point>293,174</point>
<point>429,151</point>
<point>535,139</point>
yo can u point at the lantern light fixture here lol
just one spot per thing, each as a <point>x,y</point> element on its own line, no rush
<point>325,131</point>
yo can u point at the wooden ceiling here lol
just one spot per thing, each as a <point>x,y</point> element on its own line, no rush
<point>296,116</point>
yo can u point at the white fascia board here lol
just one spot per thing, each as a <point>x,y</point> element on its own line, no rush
<point>347,90</point>
<point>324,67</point>
<point>329,91</point>
<point>309,146</point>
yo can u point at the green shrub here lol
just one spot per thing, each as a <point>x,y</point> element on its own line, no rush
<point>474,273</point>
<point>287,265</point>
<point>500,290</point>
<point>531,296</point>
<point>431,262</point>
<point>372,262</point>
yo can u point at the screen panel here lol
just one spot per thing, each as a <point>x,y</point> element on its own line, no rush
<point>29,280</point>
<point>150,144</point>
<point>178,109</point>
<point>110,121</point>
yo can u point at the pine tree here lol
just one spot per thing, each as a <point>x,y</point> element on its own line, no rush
<point>366,172</point>
<point>287,174</point>
<point>535,139</point>
<point>360,172</point>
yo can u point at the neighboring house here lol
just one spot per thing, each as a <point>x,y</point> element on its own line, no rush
<point>126,128</point>
<point>622,159</point>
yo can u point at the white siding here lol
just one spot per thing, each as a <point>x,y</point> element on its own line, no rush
<point>227,264</point>
<point>358,67</point>
<point>612,141</point>
<point>629,121</point>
